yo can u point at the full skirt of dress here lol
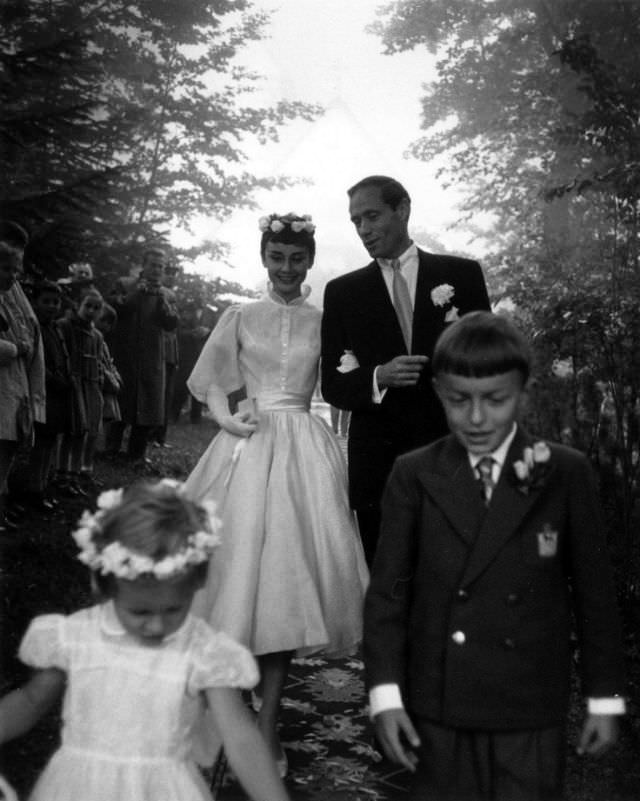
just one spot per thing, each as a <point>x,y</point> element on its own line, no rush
<point>290,574</point>
<point>73,775</point>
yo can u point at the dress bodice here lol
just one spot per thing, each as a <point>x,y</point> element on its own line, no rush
<point>269,347</point>
<point>116,686</point>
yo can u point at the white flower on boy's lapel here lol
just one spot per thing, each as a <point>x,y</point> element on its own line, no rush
<point>532,468</point>
<point>442,294</point>
<point>348,362</point>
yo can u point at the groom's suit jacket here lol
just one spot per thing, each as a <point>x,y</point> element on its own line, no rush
<point>359,316</point>
<point>469,608</point>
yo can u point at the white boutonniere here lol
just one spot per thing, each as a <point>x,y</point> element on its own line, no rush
<point>348,362</point>
<point>531,470</point>
<point>442,294</point>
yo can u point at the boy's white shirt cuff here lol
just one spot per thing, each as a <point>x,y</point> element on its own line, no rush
<point>387,696</point>
<point>606,706</point>
<point>383,697</point>
<point>377,394</point>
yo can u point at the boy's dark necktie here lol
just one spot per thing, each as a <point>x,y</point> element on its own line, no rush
<point>402,303</point>
<point>485,475</point>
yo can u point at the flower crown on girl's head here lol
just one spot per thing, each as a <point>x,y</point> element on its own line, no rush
<point>277,222</point>
<point>124,563</point>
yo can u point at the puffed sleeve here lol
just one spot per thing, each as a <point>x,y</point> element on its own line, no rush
<point>218,360</point>
<point>44,645</point>
<point>219,661</point>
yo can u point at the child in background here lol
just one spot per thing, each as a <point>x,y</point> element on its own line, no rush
<point>47,304</point>
<point>138,670</point>
<point>84,343</point>
<point>490,540</point>
<point>112,380</point>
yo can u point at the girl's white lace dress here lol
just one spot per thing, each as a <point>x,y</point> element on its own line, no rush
<point>133,715</point>
<point>290,572</point>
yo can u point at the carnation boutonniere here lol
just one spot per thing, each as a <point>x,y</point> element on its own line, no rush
<point>531,470</point>
<point>442,295</point>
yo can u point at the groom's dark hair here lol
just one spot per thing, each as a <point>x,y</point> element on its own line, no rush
<point>391,191</point>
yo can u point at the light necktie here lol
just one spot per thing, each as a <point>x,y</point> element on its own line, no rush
<point>485,475</point>
<point>402,303</point>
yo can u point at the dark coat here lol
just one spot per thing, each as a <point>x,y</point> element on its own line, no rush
<point>469,609</point>
<point>359,316</point>
<point>139,350</point>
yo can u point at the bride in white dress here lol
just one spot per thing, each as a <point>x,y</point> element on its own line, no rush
<point>290,576</point>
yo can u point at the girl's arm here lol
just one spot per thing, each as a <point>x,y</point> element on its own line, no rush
<point>245,747</point>
<point>22,708</point>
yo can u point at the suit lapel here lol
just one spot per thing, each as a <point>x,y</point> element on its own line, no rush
<point>427,319</point>
<point>449,481</point>
<point>508,508</point>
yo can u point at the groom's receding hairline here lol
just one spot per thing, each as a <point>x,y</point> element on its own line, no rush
<point>392,191</point>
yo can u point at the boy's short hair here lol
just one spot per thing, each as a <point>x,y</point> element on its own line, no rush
<point>482,344</point>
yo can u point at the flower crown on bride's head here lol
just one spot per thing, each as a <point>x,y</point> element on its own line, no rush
<point>277,223</point>
<point>125,563</point>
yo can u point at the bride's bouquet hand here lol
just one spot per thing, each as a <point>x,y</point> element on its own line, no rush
<point>240,424</point>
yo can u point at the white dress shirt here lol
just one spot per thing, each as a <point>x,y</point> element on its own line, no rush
<point>409,271</point>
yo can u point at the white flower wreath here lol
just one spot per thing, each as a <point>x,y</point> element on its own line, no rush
<point>122,562</point>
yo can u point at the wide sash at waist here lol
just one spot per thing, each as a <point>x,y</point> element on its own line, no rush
<point>282,402</point>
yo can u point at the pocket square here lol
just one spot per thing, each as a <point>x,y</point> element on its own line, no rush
<point>348,362</point>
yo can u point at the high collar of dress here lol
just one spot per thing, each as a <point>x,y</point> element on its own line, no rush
<point>111,625</point>
<point>304,294</point>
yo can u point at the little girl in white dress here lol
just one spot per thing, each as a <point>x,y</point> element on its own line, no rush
<point>290,576</point>
<point>139,671</point>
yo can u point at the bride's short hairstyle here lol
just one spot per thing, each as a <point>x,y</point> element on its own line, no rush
<point>287,235</point>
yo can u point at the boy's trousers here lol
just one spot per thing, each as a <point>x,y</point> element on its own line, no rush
<point>469,765</point>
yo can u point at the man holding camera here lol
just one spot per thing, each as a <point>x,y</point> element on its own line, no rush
<point>146,309</point>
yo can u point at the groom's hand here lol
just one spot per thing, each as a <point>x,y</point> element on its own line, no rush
<point>401,371</point>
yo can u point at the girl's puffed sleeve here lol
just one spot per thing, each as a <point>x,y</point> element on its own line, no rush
<point>218,361</point>
<point>219,661</point>
<point>44,644</point>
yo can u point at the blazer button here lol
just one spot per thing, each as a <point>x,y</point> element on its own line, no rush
<point>459,637</point>
<point>463,595</point>
<point>509,644</point>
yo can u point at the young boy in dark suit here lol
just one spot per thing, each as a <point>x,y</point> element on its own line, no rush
<point>489,541</point>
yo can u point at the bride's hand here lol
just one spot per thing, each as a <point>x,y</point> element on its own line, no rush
<point>240,424</point>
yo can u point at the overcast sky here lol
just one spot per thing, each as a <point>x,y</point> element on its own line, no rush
<point>318,51</point>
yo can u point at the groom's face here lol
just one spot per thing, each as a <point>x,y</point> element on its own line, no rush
<point>383,230</point>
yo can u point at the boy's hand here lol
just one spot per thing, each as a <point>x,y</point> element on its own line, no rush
<point>599,733</point>
<point>401,371</point>
<point>393,727</point>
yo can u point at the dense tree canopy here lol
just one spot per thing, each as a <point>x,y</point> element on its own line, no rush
<point>123,119</point>
<point>536,104</point>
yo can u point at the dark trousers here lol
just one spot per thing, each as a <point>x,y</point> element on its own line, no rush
<point>469,765</point>
<point>138,438</point>
<point>369,525</point>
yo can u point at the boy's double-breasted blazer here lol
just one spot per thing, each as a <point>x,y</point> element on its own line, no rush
<point>470,609</point>
<point>359,317</point>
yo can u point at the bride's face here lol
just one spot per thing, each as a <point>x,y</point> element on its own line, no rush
<point>287,266</point>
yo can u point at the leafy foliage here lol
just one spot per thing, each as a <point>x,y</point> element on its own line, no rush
<point>536,105</point>
<point>121,120</point>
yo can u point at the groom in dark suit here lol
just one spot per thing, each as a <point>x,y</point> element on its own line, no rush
<point>379,329</point>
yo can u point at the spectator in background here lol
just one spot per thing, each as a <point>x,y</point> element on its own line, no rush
<point>84,345</point>
<point>22,375</point>
<point>197,320</point>
<point>145,310</point>
<point>80,278</point>
<point>171,358</point>
<point>47,304</point>
<point>112,380</point>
